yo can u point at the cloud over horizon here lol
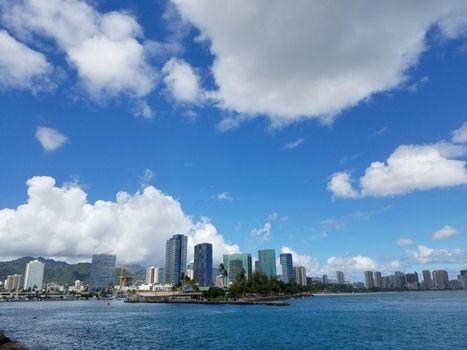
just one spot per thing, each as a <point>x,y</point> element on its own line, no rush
<point>60,222</point>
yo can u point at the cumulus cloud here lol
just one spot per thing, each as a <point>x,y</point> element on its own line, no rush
<point>60,222</point>
<point>106,49</point>
<point>340,186</point>
<point>426,255</point>
<point>347,264</point>
<point>22,67</point>
<point>404,241</point>
<point>50,139</point>
<point>445,232</point>
<point>316,58</point>
<point>181,81</point>
<point>409,168</point>
<point>460,135</point>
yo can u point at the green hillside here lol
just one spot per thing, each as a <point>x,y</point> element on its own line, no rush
<point>55,271</point>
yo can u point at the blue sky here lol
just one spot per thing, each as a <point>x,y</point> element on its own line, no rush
<point>255,134</point>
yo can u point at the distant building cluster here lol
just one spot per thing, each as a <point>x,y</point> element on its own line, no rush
<point>202,274</point>
<point>31,280</point>
<point>438,279</point>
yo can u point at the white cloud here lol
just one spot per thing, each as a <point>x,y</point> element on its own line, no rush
<point>147,177</point>
<point>409,168</point>
<point>426,255</point>
<point>262,233</point>
<point>50,139</point>
<point>351,264</point>
<point>293,144</point>
<point>228,124</point>
<point>347,264</point>
<point>59,221</point>
<point>143,110</point>
<point>340,186</point>
<point>404,241</point>
<point>22,67</point>
<point>105,48</point>
<point>460,135</point>
<point>224,196</point>
<point>181,81</point>
<point>316,58</point>
<point>311,264</point>
<point>445,232</point>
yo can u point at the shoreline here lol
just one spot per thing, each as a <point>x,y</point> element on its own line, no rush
<point>7,344</point>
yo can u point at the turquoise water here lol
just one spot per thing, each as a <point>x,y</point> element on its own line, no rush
<point>408,320</point>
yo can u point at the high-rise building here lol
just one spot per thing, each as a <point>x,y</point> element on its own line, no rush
<point>175,258</point>
<point>463,278</point>
<point>287,267</point>
<point>267,262</point>
<point>14,283</point>
<point>152,275</point>
<point>440,279</point>
<point>103,271</point>
<point>257,266</point>
<point>399,280</point>
<point>412,280</point>
<point>300,275</point>
<point>34,275</point>
<point>340,277</point>
<point>427,279</point>
<point>202,267</point>
<point>369,280</point>
<point>246,265</point>
<point>378,280</point>
<point>235,269</point>
<point>324,279</point>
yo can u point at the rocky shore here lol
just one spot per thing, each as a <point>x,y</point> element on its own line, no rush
<point>8,344</point>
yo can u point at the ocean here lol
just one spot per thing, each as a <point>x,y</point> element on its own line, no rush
<point>399,320</point>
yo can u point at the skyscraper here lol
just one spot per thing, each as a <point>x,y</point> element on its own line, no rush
<point>300,275</point>
<point>340,277</point>
<point>34,275</point>
<point>246,265</point>
<point>427,279</point>
<point>287,267</point>
<point>412,280</point>
<point>152,275</point>
<point>369,280</point>
<point>440,279</point>
<point>267,262</point>
<point>235,269</point>
<point>463,278</point>
<point>103,271</point>
<point>399,280</point>
<point>378,280</point>
<point>203,264</point>
<point>175,258</point>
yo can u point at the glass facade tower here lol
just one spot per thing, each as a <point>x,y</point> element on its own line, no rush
<point>175,259</point>
<point>103,271</point>
<point>246,265</point>
<point>267,262</point>
<point>203,264</point>
<point>287,267</point>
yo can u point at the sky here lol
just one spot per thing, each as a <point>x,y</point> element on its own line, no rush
<point>333,131</point>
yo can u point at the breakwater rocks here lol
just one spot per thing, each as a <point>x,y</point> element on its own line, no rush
<point>8,344</point>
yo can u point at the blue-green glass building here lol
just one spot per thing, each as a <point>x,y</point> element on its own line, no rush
<point>287,267</point>
<point>246,264</point>
<point>267,262</point>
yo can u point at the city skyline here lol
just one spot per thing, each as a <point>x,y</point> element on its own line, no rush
<point>351,160</point>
